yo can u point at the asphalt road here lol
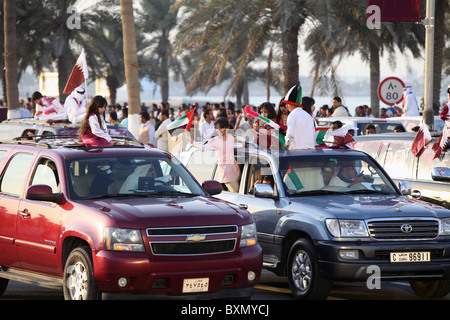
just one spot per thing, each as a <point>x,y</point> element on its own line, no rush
<point>270,287</point>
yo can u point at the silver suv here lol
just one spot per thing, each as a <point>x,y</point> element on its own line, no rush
<point>325,215</point>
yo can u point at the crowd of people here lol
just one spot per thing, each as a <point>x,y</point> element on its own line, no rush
<point>294,118</point>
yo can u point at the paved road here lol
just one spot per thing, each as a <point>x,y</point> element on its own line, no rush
<point>270,287</point>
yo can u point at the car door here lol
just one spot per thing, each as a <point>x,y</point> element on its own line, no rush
<point>266,211</point>
<point>38,224</point>
<point>11,188</point>
<point>427,189</point>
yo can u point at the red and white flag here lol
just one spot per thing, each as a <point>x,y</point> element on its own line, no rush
<point>79,74</point>
<point>421,139</point>
<point>441,143</point>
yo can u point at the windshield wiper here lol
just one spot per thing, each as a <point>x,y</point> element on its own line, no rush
<point>174,192</point>
<point>366,191</point>
<point>115,195</point>
<point>316,193</point>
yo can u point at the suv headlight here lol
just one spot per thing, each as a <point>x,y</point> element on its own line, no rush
<point>445,227</point>
<point>347,228</point>
<point>248,235</point>
<point>119,239</point>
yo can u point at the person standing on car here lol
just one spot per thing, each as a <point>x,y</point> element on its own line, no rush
<point>223,145</point>
<point>410,105</point>
<point>301,131</point>
<point>76,106</point>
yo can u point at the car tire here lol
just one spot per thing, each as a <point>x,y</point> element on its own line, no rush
<point>431,288</point>
<point>3,285</point>
<point>303,274</point>
<point>79,281</point>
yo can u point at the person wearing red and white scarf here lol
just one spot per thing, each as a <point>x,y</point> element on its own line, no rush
<point>76,106</point>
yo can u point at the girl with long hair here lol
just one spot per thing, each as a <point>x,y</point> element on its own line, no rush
<point>93,131</point>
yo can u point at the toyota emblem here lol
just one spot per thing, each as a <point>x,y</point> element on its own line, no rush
<point>406,228</point>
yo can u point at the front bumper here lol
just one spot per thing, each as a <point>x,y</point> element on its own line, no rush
<point>227,274</point>
<point>377,254</point>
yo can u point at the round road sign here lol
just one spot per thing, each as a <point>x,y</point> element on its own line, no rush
<point>390,91</point>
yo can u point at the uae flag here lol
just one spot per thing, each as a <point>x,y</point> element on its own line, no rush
<point>185,120</point>
<point>79,74</point>
<point>292,180</point>
<point>421,139</point>
<point>320,135</point>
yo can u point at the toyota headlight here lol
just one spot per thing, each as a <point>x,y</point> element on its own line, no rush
<point>119,239</point>
<point>347,228</point>
<point>248,235</point>
<point>445,227</point>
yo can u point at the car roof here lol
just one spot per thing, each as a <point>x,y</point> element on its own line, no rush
<point>72,147</point>
<point>409,136</point>
<point>357,119</point>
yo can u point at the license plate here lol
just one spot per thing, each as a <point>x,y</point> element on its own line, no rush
<point>410,256</point>
<point>196,285</point>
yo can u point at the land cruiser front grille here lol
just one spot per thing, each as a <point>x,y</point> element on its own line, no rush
<point>202,240</point>
<point>404,229</point>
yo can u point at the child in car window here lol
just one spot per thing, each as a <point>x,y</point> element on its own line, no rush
<point>93,131</point>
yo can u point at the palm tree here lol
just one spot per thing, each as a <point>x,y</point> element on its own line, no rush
<point>11,58</point>
<point>229,35</point>
<point>131,64</point>
<point>342,28</point>
<point>158,21</point>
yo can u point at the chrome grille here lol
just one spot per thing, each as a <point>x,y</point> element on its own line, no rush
<point>201,240</point>
<point>404,229</point>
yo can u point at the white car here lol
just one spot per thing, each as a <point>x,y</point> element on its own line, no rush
<point>411,122</point>
<point>381,125</point>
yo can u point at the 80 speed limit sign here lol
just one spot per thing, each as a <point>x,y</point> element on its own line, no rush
<point>390,91</point>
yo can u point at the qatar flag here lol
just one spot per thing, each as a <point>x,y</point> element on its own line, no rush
<point>421,139</point>
<point>398,10</point>
<point>79,74</point>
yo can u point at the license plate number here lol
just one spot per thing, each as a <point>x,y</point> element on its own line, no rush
<point>196,285</point>
<point>410,256</point>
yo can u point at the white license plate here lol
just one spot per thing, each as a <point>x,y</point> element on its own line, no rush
<point>410,256</point>
<point>196,285</point>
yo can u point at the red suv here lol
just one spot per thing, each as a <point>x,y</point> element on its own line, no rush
<point>121,219</point>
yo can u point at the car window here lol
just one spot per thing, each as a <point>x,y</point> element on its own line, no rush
<point>333,174</point>
<point>399,162</point>
<point>259,171</point>
<point>372,148</point>
<point>202,164</point>
<point>15,174</point>
<point>46,173</point>
<point>379,127</point>
<point>426,163</point>
<point>129,175</point>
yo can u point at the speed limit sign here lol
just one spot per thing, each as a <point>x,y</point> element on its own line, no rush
<point>390,91</point>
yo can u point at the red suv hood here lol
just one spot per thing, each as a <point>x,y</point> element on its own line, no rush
<point>145,212</point>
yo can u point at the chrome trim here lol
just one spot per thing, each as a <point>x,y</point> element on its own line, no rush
<point>401,222</point>
<point>191,228</point>
<point>192,254</point>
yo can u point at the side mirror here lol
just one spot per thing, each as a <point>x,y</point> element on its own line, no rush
<point>212,187</point>
<point>263,190</point>
<point>405,187</point>
<point>440,174</point>
<point>42,192</point>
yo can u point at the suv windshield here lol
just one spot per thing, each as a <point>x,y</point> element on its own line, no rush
<point>117,176</point>
<point>332,174</point>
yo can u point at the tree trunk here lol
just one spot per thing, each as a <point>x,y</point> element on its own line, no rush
<point>12,89</point>
<point>112,84</point>
<point>65,64</point>
<point>439,43</point>
<point>290,68</point>
<point>374,65</point>
<point>131,65</point>
<point>164,80</point>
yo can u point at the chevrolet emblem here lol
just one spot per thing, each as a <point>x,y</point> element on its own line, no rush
<point>196,237</point>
